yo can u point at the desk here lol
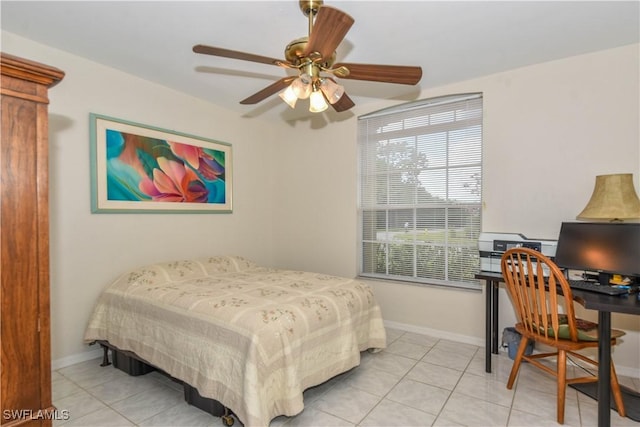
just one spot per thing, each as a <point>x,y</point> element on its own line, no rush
<point>605,305</point>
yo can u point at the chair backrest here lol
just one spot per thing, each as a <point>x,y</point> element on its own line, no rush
<point>543,304</point>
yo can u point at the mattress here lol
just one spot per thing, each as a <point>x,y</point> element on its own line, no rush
<point>251,337</point>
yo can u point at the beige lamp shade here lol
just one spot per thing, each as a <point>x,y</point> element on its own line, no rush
<point>614,198</point>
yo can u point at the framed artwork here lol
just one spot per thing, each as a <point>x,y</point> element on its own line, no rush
<point>139,168</point>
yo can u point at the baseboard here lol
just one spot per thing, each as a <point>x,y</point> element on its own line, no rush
<point>76,358</point>
<point>624,371</point>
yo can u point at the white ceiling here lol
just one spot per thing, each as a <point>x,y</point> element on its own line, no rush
<point>450,40</point>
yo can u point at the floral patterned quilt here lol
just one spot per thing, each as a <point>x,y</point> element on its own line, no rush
<point>250,337</point>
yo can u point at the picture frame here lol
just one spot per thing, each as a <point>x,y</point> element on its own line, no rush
<point>137,168</point>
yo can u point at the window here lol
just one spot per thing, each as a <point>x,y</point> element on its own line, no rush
<point>420,184</point>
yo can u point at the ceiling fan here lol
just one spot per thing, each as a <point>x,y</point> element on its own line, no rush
<point>314,57</point>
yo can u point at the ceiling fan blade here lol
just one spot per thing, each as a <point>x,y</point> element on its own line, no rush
<point>330,27</point>
<point>343,104</point>
<point>234,54</point>
<point>268,91</point>
<point>400,74</point>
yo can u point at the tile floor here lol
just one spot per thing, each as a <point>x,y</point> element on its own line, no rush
<point>417,381</point>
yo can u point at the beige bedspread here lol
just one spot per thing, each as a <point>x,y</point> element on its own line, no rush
<point>251,337</point>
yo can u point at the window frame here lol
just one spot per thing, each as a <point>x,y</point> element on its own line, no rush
<point>403,113</point>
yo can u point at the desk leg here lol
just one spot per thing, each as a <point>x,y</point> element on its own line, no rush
<point>604,368</point>
<point>494,304</point>
<point>491,322</point>
<point>488,337</point>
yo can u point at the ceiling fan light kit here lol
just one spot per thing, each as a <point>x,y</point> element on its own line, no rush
<point>289,96</point>
<point>317,104</point>
<point>331,90</point>
<point>302,86</point>
<point>314,55</point>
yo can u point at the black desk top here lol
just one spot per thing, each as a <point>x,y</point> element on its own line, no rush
<point>628,303</point>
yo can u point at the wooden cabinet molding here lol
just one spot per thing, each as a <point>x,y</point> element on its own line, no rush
<point>25,361</point>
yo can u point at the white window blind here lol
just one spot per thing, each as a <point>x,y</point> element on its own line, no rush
<point>420,183</point>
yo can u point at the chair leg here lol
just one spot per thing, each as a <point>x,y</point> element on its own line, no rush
<point>617,394</point>
<point>516,362</point>
<point>562,384</point>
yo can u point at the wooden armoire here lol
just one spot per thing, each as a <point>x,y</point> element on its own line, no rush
<point>25,364</point>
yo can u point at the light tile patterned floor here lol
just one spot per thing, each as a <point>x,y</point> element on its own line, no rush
<point>417,381</point>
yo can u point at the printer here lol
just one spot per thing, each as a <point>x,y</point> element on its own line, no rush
<point>493,245</point>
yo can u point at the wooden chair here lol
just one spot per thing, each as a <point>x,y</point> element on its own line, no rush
<point>544,307</point>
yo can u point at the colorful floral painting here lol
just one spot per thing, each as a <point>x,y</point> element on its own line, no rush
<point>142,168</point>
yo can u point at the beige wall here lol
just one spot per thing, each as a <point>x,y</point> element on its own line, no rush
<point>548,130</point>
<point>88,251</point>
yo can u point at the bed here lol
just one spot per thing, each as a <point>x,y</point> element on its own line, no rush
<point>250,337</point>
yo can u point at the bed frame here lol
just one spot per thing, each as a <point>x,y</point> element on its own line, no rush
<point>134,365</point>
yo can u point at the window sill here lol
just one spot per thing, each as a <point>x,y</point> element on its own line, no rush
<point>452,286</point>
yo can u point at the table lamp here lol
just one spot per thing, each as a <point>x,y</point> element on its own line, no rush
<point>614,199</point>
